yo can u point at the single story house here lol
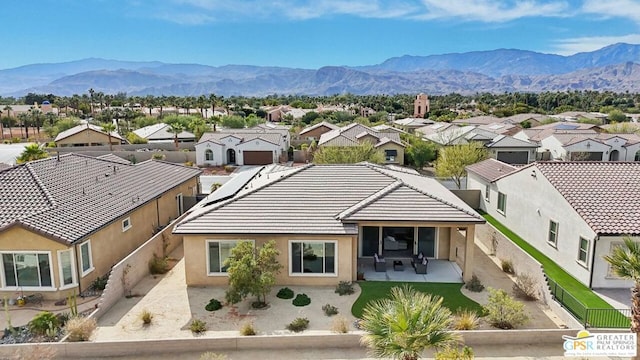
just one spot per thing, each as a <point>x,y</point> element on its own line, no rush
<point>88,135</point>
<point>593,147</point>
<point>411,124</point>
<point>161,133</point>
<point>388,141</point>
<point>314,132</point>
<point>326,219</point>
<point>65,221</point>
<point>573,212</point>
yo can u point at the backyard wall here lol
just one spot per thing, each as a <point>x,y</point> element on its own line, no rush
<point>471,197</point>
<point>173,156</point>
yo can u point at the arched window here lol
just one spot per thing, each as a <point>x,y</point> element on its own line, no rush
<point>637,158</point>
<point>208,155</point>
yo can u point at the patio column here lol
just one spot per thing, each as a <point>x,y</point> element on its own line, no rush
<point>452,244</point>
<point>467,271</point>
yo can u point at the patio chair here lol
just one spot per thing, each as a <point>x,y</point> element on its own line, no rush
<point>379,263</point>
<point>421,266</point>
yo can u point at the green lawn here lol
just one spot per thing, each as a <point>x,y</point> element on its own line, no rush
<point>453,298</point>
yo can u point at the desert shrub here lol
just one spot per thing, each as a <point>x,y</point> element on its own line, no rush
<point>329,309</point>
<point>100,282</point>
<point>158,265</point>
<point>340,325</point>
<point>455,353</point>
<point>229,168</point>
<point>301,300</point>
<point>466,320</point>
<point>248,329</point>
<point>285,293</point>
<point>507,266</point>
<point>474,284</point>
<point>188,163</point>
<point>198,326</point>
<point>526,287</point>
<point>146,316</point>
<point>157,156</point>
<point>213,305</point>
<point>344,288</point>
<point>43,323</point>
<point>298,325</point>
<point>212,356</point>
<point>503,311</point>
<point>80,328</point>
<point>63,318</point>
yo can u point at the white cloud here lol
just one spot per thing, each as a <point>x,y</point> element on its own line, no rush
<point>584,44</point>
<point>613,8</point>
<point>491,11</point>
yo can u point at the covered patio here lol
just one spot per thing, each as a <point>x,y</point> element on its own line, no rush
<point>442,271</point>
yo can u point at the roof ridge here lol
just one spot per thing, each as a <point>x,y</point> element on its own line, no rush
<point>368,200</point>
<point>44,189</point>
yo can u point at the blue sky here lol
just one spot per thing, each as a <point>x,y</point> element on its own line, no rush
<point>303,33</point>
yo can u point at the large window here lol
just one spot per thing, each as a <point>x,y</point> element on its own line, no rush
<point>313,257</point>
<point>208,155</point>
<point>27,269</point>
<point>390,155</point>
<point>502,203</point>
<point>583,251</point>
<point>65,263</point>
<point>86,261</point>
<point>553,233</point>
<point>217,252</point>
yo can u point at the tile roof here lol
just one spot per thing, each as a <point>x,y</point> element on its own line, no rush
<point>77,129</point>
<point>348,135</point>
<point>328,199</point>
<point>505,141</point>
<point>114,158</point>
<point>71,197</point>
<point>477,120</point>
<point>320,124</point>
<point>161,132</point>
<point>605,194</point>
<point>491,169</point>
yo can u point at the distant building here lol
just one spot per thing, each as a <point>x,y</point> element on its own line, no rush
<point>88,135</point>
<point>421,106</point>
<point>161,133</point>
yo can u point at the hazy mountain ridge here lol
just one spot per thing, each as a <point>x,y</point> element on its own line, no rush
<point>613,68</point>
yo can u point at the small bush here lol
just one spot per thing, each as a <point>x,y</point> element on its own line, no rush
<point>466,320</point>
<point>507,266</point>
<point>188,163</point>
<point>474,284</point>
<point>329,310</point>
<point>301,300</point>
<point>503,311</point>
<point>285,293</point>
<point>157,156</point>
<point>229,168</point>
<point>298,325</point>
<point>248,329</point>
<point>100,283</point>
<point>344,288</point>
<point>80,328</point>
<point>198,326</point>
<point>526,288</point>
<point>63,318</point>
<point>455,353</point>
<point>213,305</point>
<point>43,323</point>
<point>158,265</point>
<point>340,325</point>
<point>146,316</point>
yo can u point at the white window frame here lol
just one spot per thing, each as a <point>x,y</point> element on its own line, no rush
<point>90,269</point>
<point>126,224</point>
<point>74,280</point>
<point>487,193</point>
<point>27,288</point>
<point>206,152</point>
<point>586,251</point>
<point>208,261</point>
<point>303,274</point>
<point>502,195</point>
<point>180,204</point>
<point>553,243</point>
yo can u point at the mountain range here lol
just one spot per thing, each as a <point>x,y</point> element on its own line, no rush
<point>612,68</point>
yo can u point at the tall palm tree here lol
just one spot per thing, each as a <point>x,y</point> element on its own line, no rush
<point>32,152</point>
<point>175,128</point>
<point>91,93</point>
<point>625,262</point>
<point>405,324</point>
<point>109,128</point>
<point>8,109</point>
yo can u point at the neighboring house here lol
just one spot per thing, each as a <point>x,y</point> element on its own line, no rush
<point>64,221</point>
<point>593,147</point>
<point>326,219</point>
<point>260,145</point>
<point>315,131</point>
<point>477,120</point>
<point>387,141</point>
<point>573,116</point>
<point>411,124</point>
<point>450,135</point>
<point>161,133</point>
<point>434,128</point>
<point>526,120</point>
<point>573,212</point>
<point>87,135</point>
<point>511,150</point>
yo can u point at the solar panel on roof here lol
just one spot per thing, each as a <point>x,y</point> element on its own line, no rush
<point>566,127</point>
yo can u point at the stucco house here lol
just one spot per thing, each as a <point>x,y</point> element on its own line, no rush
<point>88,135</point>
<point>64,221</point>
<point>314,132</point>
<point>573,212</point>
<point>388,141</point>
<point>260,145</point>
<point>326,219</point>
<point>161,133</point>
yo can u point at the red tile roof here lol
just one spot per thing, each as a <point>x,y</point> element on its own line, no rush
<point>491,169</point>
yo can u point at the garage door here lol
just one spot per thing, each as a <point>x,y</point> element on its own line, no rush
<point>257,157</point>
<point>513,157</point>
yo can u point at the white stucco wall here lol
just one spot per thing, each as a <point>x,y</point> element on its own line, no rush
<point>589,146</point>
<point>601,270</point>
<point>218,154</point>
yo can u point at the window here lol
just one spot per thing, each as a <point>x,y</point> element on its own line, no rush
<point>390,155</point>
<point>208,155</point>
<point>126,224</point>
<point>85,257</point>
<point>637,157</point>
<point>502,203</point>
<point>65,263</point>
<point>553,233</point>
<point>487,192</point>
<point>313,257</point>
<point>583,251</point>
<point>27,269</point>
<point>217,252</point>
<point>180,204</point>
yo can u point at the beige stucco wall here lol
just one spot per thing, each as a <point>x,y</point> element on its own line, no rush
<point>195,254</point>
<point>394,146</point>
<point>87,137</point>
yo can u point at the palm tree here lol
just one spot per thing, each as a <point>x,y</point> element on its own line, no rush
<point>405,324</point>
<point>91,92</point>
<point>625,262</point>
<point>109,128</point>
<point>32,152</point>
<point>8,109</point>
<point>175,128</point>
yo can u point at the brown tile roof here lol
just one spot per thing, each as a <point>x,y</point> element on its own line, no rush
<point>491,169</point>
<point>70,198</point>
<point>605,194</point>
